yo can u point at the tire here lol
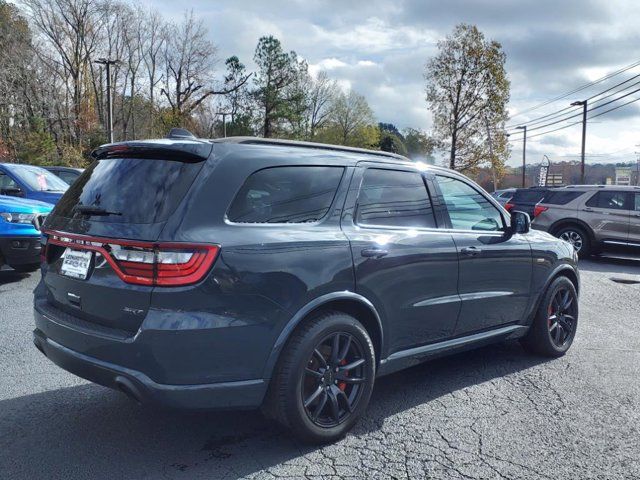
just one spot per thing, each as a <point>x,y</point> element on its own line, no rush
<point>26,268</point>
<point>298,377</point>
<point>556,320</point>
<point>577,237</point>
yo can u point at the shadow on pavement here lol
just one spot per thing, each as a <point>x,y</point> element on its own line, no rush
<point>618,264</point>
<point>11,276</point>
<point>88,431</point>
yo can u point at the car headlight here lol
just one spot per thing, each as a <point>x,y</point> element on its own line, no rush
<point>18,217</point>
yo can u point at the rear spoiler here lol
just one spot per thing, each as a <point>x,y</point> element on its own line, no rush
<point>179,150</point>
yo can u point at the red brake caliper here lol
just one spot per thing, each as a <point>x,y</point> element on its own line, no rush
<point>343,385</point>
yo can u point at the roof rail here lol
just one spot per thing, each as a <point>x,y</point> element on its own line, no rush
<point>296,143</point>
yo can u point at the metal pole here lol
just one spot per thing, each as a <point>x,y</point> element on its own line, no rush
<point>224,124</point>
<point>524,157</point>
<point>493,166</point>
<point>584,138</point>
<point>107,63</point>
<point>109,104</point>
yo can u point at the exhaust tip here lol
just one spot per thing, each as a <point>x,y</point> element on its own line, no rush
<point>127,387</point>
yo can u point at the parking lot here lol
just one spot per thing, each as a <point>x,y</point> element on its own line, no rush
<point>490,413</point>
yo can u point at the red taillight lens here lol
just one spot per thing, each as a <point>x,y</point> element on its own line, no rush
<point>147,263</point>
<point>508,206</point>
<point>538,209</point>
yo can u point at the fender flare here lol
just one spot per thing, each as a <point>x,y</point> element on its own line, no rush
<point>558,269</point>
<point>308,308</point>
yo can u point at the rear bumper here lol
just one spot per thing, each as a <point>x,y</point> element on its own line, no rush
<point>20,250</point>
<point>235,395</point>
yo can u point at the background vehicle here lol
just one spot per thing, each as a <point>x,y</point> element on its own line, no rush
<point>20,222</point>
<point>503,196</point>
<point>28,181</point>
<point>68,174</point>
<point>525,199</point>
<point>250,272</point>
<point>592,217</point>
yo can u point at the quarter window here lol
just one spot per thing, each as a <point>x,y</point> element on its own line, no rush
<point>611,200</point>
<point>637,202</point>
<point>286,195</point>
<point>394,198</point>
<point>468,209</point>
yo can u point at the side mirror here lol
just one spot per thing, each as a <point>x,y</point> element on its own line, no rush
<point>520,222</point>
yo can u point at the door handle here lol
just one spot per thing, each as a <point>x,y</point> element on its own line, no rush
<point>588,209</point>
<point>471,251</point>
<point>374,252</point>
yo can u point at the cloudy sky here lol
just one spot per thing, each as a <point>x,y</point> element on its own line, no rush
<point>379,48</point>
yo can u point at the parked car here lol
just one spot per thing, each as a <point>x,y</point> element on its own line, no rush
<point>525,199</point>
<point>591,217</point>
<point>503,196</point>
<point>31,182</point>
<point>68,174</point>
<point>243,273</point>
<point>20,222</point>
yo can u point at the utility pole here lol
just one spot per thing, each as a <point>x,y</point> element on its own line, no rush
<point>107,63</point>
<point>493,166</point>
<point>224,122</point>
<point>584,135</point>
<point>524,153</point>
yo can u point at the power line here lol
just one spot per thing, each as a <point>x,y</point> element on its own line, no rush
<point>594,116</point>
<point>579,89</point>
<point>579,114</point>
<point>553,115</point>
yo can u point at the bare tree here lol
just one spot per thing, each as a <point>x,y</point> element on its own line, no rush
<point>322,93</point>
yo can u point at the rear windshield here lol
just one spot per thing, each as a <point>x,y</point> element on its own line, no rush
<point>133,190</point>
<point>528,196</point>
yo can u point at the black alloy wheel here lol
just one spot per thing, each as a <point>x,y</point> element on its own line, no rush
<point>562,317</point>
<point>323,379</point>
<point>556,320</point>
<point>333,379</point>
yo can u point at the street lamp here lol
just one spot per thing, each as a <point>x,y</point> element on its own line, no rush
<point>524,152</point>
<point>584,134</point>
<point>107,63</point>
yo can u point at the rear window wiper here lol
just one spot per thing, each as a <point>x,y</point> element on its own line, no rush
<point>93,210</point>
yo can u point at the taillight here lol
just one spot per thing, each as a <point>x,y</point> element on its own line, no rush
<point>538,209</point>
<point>508,206</point>
<point>147,263</point>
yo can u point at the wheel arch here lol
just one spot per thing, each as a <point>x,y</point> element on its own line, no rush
<point>566,222</point>
<point>348,302</point>
<point>563,269</point>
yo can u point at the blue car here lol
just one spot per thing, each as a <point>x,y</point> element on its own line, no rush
<point>20,222</point>
<point>31,182</point>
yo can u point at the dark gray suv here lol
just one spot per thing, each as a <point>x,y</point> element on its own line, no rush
<point>244,273</point>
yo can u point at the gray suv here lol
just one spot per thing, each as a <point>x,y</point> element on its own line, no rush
<point>591,217</point>
<point>246,273</point>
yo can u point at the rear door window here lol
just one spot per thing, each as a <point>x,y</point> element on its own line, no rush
<point>611,200</point>
<point>394,198</point>
<point>134,190</point>
<point>561,197</point>
<point>298,194</point>
<point>637,202</point>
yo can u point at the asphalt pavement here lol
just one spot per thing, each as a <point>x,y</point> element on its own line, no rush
<point>492,413</point>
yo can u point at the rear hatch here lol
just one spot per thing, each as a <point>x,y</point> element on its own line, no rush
<point>102,255</point>
<point>525,200</point>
